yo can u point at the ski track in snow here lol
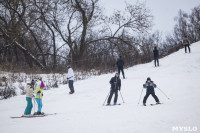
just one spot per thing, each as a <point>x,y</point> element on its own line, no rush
<point>178,77</point>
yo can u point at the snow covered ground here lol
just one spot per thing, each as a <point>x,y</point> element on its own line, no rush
<point>178,76</point>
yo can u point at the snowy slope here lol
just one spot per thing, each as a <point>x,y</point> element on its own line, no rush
<point>178,77</point>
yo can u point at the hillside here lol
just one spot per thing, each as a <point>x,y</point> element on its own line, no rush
<point>178,77</point>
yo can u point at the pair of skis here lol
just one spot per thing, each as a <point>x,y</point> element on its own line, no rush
<point>155,104</point>
<point>113,104</point>
<point>32,116</point>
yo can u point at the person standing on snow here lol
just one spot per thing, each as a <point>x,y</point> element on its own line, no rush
<point>38,98</point>
<point>29,94</point>
<point>120,65</point>
<point>186,43</point>
<point>115,86</point>
<point>156,54</point>
<point>70,78</point>
<point>149,85</point>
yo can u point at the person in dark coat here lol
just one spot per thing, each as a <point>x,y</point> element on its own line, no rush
<point>156,54</point>
<point>120,65</point>
<point>149,85</point>
<point>186,43</point>
<point>115,86</point>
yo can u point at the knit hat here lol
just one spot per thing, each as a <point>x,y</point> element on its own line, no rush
<point>32,82</point>
<point>148,78</point>
<point>42,85</point>
<point>68,66</point>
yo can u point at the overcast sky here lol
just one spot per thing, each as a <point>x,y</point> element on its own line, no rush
<point>164,11</point>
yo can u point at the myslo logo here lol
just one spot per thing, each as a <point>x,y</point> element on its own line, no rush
<point>184,129</point>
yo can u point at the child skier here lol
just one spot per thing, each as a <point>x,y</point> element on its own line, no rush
<point>38,98</point>
<point>29,94</point>
<point>149,85</point>
<point>115,86</point>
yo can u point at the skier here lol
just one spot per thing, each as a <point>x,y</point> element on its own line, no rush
<point>38,98</point>
<point>115,86</point>
<point>156,54</point>
<point>29,94</point>
<point>70,78</point>
<point>186,43</point>
<point>120,65</point>
<point>149,85</point>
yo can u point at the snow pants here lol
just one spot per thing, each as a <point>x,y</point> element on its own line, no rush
<point>39,103</point>
<point>186,48</point>
<point>29,106</point>
<point>150,93</point>
<point>121,68</point>
<point>71,85</point>
<point>156,61</point>
<point>111,94</point>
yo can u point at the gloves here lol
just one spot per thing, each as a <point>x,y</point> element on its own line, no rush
<point>119,88</point>
<point>39,92</point>
<point>144,85</point>
<point>42,94</point>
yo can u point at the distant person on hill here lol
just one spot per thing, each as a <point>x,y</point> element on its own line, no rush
<point>186,43</point>
<point>29,95</point>
<point>70,78</point>
<point>149,85</point>
<point>156,55</point>
<point>120,65</point>
<point>115,86</point>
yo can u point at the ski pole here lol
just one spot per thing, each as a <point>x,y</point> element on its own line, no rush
<point>163,93</point>
<point>106,99</point>
<point>34,104</point>
<point>140,96</point>
<point>121,96</point>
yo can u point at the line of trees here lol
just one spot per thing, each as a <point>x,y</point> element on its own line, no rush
<point>48,35</point>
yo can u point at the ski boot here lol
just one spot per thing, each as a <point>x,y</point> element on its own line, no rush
<point>144,104</point>
<point>108,104</point>
<point>71,93</point>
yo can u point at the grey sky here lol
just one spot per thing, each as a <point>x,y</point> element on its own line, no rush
<point>163,11</point>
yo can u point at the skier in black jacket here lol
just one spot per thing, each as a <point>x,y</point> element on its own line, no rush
<point>120,65</point>
<point>149,85</point>
<point>115,86</point>
<point>156,54</point>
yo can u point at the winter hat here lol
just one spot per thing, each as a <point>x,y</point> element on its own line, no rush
<point>148,78</point>
<point>32,82</point>
<point>42,85</point>
<point>68,66</point>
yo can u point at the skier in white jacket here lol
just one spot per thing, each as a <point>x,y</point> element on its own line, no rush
<point>70,77</point>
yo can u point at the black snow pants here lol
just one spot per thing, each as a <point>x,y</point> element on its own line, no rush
<point>186,48</point>
<point>156,60</point>
<point>121,68</point>
<point>111,94</point>
<point>147,95</point>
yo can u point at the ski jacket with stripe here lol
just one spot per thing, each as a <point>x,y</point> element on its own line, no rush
<point>115,83</point>
<point>149,86</point>
<point>70,74</point>
<point>39,93</point>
